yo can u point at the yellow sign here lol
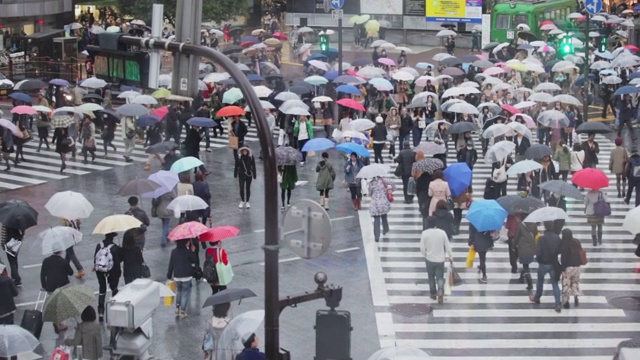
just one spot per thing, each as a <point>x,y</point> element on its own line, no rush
<point>454,10</point>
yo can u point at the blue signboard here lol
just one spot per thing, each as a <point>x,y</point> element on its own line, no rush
<point>337,4</point>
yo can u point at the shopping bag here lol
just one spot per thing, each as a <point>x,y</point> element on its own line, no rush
<point>454,277</point>
<point>225,272</point>
<point>364,187</point>
<point>411,186</point>
<point>169,300</point>
<point>60,353</point>
<point>447,284</point>
<point>470,257</point>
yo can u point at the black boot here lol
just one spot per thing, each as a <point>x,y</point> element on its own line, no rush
<point>521,279</point>
<point>527,277</point>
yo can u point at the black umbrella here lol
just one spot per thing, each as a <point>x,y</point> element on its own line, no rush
<point>525,47</point>
<point>562,188</point>
<point>452,61</point>
<point>361,62</point>
<point>490,46</point>
<point>232,49</point>
<point>462,127</point>
<point>538,151</point>
<point>161,148</point>
<point>298,89</point>
<point>17,214</point>
<point>109,115</point>
<point>227,296</point>
<point>448,26</point>
<point>31,84</point>
<point>273,76</point>
<point>469,58</point>
<point>525,35</point>
<point>92,97</point>
<point>516,204</point>
<point>594,127</point>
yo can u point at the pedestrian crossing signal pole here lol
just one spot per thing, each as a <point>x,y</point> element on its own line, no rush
<point>586,87</point>
<point>337,11</point>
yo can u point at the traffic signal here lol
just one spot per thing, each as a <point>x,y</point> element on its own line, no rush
<point>602,45</point>
<point>324,42</point>
<point>566,46</point>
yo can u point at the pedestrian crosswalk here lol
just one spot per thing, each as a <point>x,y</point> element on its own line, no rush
<point>496,320</point>
<point>44,166</point>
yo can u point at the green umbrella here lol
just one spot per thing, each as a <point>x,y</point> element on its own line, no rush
<point>232,96</point>
<point>67,302</point>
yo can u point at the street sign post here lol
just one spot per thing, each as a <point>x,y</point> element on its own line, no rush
<point>337,4</point>
<point>593,6</point>
<point>337,14</point>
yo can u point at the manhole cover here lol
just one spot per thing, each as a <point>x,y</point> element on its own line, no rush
<point>626,303</point>
<point>410,310</point>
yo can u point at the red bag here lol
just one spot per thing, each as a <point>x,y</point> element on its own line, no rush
<point>389,192</point>
<point>60,354</point>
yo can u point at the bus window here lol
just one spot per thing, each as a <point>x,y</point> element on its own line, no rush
<point>520,19</point>
<point>502,22</point>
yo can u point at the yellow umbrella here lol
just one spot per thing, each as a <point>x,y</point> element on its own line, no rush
<point>363,19</point>
<point>354,19</point>
<point>518,66</point>
<point>161,93</point>
<point>116,223</point>
<point>372,26</point>
<point>272,42</point>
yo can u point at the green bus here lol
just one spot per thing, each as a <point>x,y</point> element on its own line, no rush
<point>506,15</point>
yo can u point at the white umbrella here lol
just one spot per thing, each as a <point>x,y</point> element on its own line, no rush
<point>562,65</point>
<point>377,43</point>
<point>631,223</point>
<point>444,76</point>
<point>405,49</point>
<point>468,83</point>
<point>604,54</point>
<point>114,29</point>
<point>165,80</point>
<point>496,130</point>
<point>600,65</point>
<point>262,91</point>
<point>75,26</point>
<point>40,108</point>
<point>373,170</point>
<point>622,33</point>
<point>89,108</point>
<point>345,66</point>
<point>371,72</point>
<point>491,80</point>
<point>129,94</point>
<point>538,43</point>
<point>93,83</point>
<point>523,27</point>
<point>453,92</point>
<point>598,18</point>
<point>499,151</point>
<point>297,111</point>
<point>354,135</point>
<point>316,80</point>
<point>388,46</point>
<point>287,95</point>
<point>567,99</point>
<point>547,86</point>
<point>116,223</point>
<point>304,48</point>
<point>96,29</point>
<point>320,65</point>
<point>446,32</point>
<point>58,238</point>
<point>463,108</point>
<point>216,32</point>
<point>521,129</point>
<point>447,104</point>
<point>493,107</point>
<point>69,205</point>
<point>547,213</point>
<point>216,77</point>
<point>547,27</point>
<point>523,166</point>
<point>502,86</point>
<point>305,29</point>
<point>138,22</point>
<point>411,71</point>
<point>626,61</point>
<point>186,203</point>
<point>237,332</point>
<point>290,104</point>
<point>144,100</point>
<point>553,119</point>
<point>500,46</point>
<point>431,128</point>
<point>265,105</point>
<point>574,15</point>
<point>541,97</point>
<point>361,125</point>
<point>494,71</point>
<point>321,99</point>
<point>441,56</point>
<point>422,80</point>
<point>524,104</point>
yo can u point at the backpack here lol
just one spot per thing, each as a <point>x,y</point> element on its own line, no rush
<point>209,271</point>
<point>634,167</point>
<point>104,258</point>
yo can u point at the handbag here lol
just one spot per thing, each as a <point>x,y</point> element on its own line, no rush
<point>90,143</point>
<point>68,142</point>
<point>233,141</point>
<point>454,277</point>
<point>389,192</point>
<point>225,272</point>
<point>471,255</point>
<point>601,207</point>
<point>372,110</point>
<point>12,247</point>
<point>60,353</point>
<point>169,300</point>
<point>583,254</point>
<point>197,272</point>
<point>500,175</point>
<point>145,272</point>
<point>208,344</point>
<point>130,134</point>
<point>411,186</point>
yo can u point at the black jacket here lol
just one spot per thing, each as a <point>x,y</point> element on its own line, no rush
<point>406,125</point>
<point>468,155</point>
<point>245,167</point>
<point>570,254</point>
<point>241,130</point>
<point>548,248</point>
<point>405,161</point>
<point>181,263</point>
<point>55,273</point>
<point>379,133</point>
<point>444,221</point>
<point>523,146</point>
<point>8,291</point>
<point>132,261</point>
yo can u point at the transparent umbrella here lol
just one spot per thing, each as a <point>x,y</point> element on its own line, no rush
<point>58,238</point>
<point>237,332</point>
<point>15,340</point>
<point>499,151</point>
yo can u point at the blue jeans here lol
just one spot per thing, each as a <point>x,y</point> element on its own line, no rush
<point>544,269</point>
<point>435,270</point>
<point>376,225</point>
<point>165,231</point>
<point>183,293</point>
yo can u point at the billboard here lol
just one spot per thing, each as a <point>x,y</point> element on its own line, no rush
<point>390,7</point>
<point>469,11</point>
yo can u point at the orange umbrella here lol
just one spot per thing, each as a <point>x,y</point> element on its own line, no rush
<point>231,110</point>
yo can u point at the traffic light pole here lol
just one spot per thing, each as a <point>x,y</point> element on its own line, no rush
<point>340,46</point>
<point>271,238</point>
<point>586,87</point>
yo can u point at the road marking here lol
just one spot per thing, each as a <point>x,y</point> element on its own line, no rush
<point>347,249</point>
<point>258,231</point>
<point>286,260</point>
<point>31,266</point>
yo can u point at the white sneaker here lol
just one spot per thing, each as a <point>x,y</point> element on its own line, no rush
<point>247,205</point>
<point>302,163</point>
<point>241,204</point>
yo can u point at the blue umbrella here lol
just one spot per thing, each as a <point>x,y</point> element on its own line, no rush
<point>629,89</point>
<point>331,75</point>
<point>59,82</point>
<point>580,80</point>
<point>21,96</point>
<point>347,79</point>
<point>317,56</point>
<point>253,39</point>
<point>424,65</point>
<point>458,176</point>
<point>255,77</point>
<point>348,89</point>
<point>201,122</point>
<point>634,75</point>
<point>361,62</point>
<point>147,120</point>
<point>486,215</point>
<point>350,147</point>
<point>318,144</point>
<point>186,164</point>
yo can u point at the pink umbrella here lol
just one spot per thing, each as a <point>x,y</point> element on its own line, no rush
<point>351,103</point>
<point>528,120</point>
<point>188,230</point>
<point>546,48</point>
<point>160,112</point>
<point>218,233</point>
<point>510,108</point>
<point>501,64</point>
<point>23,110</point>
<point>387,61</point>
<point>482,56</point>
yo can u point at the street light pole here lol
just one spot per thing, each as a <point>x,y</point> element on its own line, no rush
<point>585,89</point>
<point>340,46</point>
<point>271,236</point>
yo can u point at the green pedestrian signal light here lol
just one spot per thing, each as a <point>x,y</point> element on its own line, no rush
<point>566,46</point>
<point>602,47</point>
<point>324,43</point>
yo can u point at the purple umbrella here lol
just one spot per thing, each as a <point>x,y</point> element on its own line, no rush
<point>452,71</point>
<point>59,82</point>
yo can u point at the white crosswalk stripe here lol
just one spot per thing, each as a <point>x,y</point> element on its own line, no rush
<point>41,167</point>
<point>496,320</point>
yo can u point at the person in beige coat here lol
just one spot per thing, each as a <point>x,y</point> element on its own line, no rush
<point>88,335</point>
<point>617,163</point>
<point>438,190</point>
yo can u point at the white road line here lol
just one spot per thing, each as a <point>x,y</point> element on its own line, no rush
<point>347,249</point>
<point>31,266</point>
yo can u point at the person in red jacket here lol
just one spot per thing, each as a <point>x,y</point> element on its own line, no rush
<point>218,254</point>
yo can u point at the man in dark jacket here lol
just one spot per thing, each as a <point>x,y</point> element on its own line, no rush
<point>547,252</point>
<point>205,112</point>
<point>181,264</point>
<point>55,272</point>
<point>405,161</point>
<point>406,125</point>
<point>251,351</point>
<point>171,128</point>
<point>138,213</point>
<point>240,130</point>
<point>8,290</point>
<point>468,154</point>
<point>633,174</point>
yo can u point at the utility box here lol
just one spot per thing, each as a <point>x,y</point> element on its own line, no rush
<point>333,335</point>
<point>133,305</point>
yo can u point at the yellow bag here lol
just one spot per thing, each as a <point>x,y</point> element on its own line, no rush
<point>169,300</point>
<point>470,257</point>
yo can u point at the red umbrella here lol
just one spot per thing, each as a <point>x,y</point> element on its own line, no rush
<point>160,112</point>
<point>590,178</point>
<point>231,110</point>
<point>351,103</point>
<point>546,22</point>
<point>218,233</point>
<point>246,44</point>
<point>280,36</point>
<point>632,48</point>
<point>510,108</point>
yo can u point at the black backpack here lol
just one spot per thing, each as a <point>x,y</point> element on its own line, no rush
<point>209,271</point>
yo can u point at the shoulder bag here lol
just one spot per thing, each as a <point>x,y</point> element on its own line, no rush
<point>389,191</point>
<point>233,140</point>
<point>225,272</point>
<point>601,207</point>
<point>583,254</point>
<point>500,174</point>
